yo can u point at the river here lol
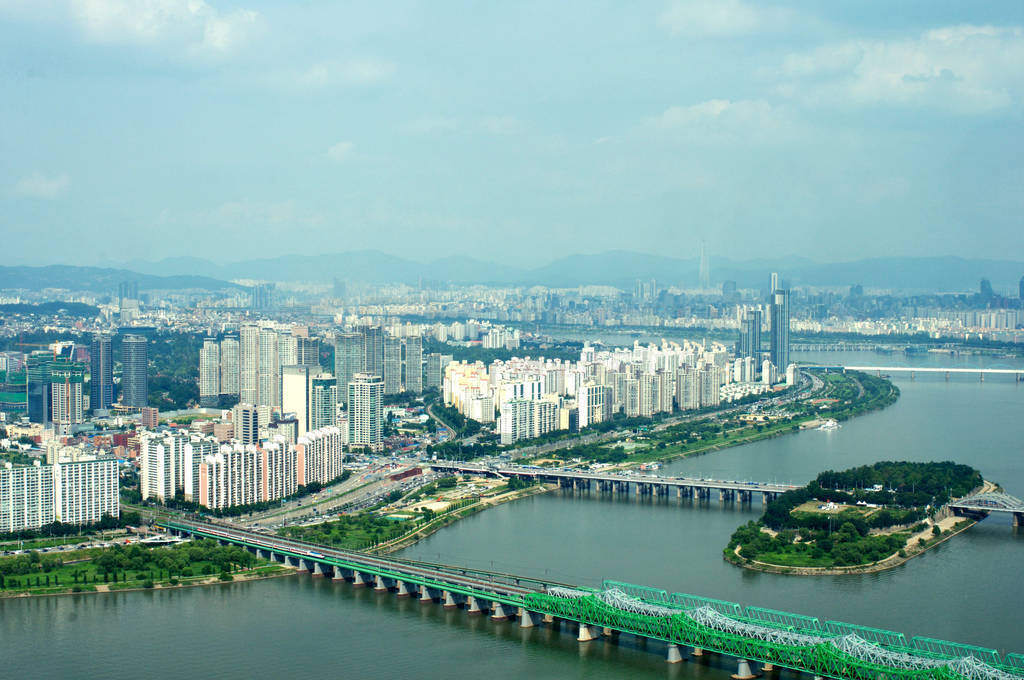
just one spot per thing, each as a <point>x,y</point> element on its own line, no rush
<point>967,590</point>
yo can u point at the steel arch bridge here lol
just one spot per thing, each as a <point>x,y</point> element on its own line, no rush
<point>991,501</point>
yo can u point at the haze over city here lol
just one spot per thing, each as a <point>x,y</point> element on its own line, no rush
<point>515,134</point>
<point>679,340</point>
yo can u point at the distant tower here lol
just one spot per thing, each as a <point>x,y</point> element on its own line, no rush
<point>101,373</point>
<point>705,269</point>
<point>134,376</point>
<point>1020,288</point>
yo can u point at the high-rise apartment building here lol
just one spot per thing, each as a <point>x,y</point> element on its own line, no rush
<point>161,464</point>
<point>349,359</point>
<point>38,386</point>
<point>101,373</point>
<point>435,369</point>
<point>780,329</point>
<point>79,492</point>
<point>373,351</point>
<point>295,394</point>
<point>269,370</point>
<point>26,497</point>
<point>392,365</point>
<point>209,373</point>
<point>229,367</point>
<point>323,401</point>
<point>414,364</point>
<point>135,371</point>
<point>248,364</point>
<point>365,396</point>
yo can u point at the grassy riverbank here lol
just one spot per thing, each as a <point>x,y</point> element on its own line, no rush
<point>129,568</point>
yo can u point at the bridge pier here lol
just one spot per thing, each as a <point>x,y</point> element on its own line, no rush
<point>767,668</point>
<point>401,589</point>
<point>697,651</point>
<point>320,569</point>
<point>339,574</point>
<point>743,671</point>
<point>499,612</point>
<point>473,605</point>
<point>588,633</point>
<point>379,584</point>
<point>427,596</point>
<point>1018,519</point>
<point>527,619</point>
<point>674,655</point>
<point>358,580</point>
<point>448,600</point>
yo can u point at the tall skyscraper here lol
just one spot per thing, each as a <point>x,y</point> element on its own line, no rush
<point>295,394</point>
<point>248,363</point>
<point>229,366</point>
<point>66,380</point>
<point>373,351</point>
<point>1020,288</point>
<point>365,394</point>
<point>209,373</point>
<point>38,386</point>
<point>750,334</point>
<point>435,369</point>
<point>101,373</point>
<point>392,365</point>
<point>780,330</point>
<point>349,359</point>
<point>307,352</point>
<point>323,401</point>
<point>135,373</point>
<point>414,364</point>
<point>269,370</point>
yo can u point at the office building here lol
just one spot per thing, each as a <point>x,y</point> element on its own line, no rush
<point>135,371</point>
<point>365,394</point>
<point>780,328</point>
<point>101,373</point>
<point>349,359</point>
<point>435,370</point>
<point>209,373</point>
<point>245,419</point>
<point>392,365</point>
<point>38,390</point>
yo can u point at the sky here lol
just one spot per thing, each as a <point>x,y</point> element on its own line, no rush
<point>132,130</point>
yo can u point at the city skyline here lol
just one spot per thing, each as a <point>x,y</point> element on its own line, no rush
<point>442,131</point>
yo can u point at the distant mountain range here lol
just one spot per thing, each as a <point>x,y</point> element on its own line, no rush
<point>101,279</point>
<point>614,268</point>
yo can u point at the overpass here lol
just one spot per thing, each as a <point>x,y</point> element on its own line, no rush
<point>1018,373</point>
<point>980,505</point>
<point>678,620</point>
<point>642,485</point>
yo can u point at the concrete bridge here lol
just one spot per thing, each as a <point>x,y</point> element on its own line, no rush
<point>674,622</point>
<point>1017,373</point>
<point>980,505</point>
<point>641,485</point>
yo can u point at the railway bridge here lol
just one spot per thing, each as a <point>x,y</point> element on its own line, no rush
<point>641,485</point>
<point>681,622</point>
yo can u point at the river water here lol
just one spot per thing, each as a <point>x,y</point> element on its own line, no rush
<point>970,589</point>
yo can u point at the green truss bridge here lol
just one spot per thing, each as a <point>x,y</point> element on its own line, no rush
<point>702,625</point>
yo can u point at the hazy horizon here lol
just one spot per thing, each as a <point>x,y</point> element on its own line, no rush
<point>517,134</point>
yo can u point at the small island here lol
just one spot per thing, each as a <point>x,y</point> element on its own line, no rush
<point>867,518</point>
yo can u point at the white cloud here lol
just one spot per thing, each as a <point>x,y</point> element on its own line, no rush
<point>340,151</point>
<point>960,69</point>
<point>191,24</point>
<point>722,121</point>
<point>38,185</point>
<point>721,18</point>
<point>355,72</point>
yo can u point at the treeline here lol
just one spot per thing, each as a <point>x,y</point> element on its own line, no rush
<point>844,547</point>
<point>58,529</point>
<point>463,426</point>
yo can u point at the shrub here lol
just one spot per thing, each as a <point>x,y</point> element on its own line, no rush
<point>147,583</point>
<point>174,581</point>
<point>225,576</point>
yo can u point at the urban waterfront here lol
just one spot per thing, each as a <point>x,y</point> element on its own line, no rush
<point>965,590</point>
